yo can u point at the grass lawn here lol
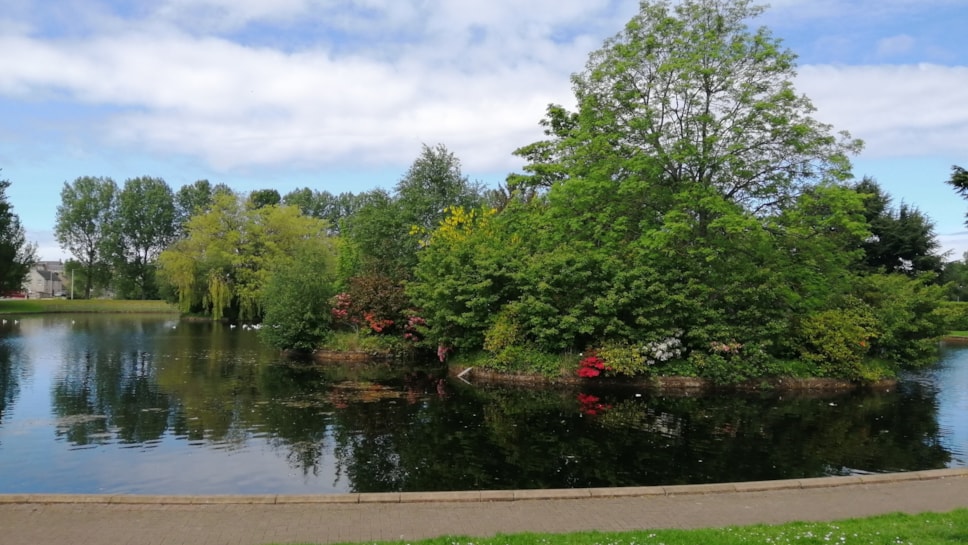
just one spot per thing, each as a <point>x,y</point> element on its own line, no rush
<point>41,306</point>
<point>897,529</point>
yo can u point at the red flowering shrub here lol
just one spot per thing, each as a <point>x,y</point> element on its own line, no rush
<point>373,301</point>
<point>591,366</point>
<point>376,324</point>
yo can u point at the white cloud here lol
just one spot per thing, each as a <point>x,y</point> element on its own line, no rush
<point>869,9</point>
<point>474,76</point>
<point>895,45</point>
<point>904,110</point>
<point>237,106</point>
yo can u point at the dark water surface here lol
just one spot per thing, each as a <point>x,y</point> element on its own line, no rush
<point>151,405</point>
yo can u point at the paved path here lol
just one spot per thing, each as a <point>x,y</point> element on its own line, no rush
<point>257,520</point>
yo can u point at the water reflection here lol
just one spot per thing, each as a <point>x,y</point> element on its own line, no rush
<point>12,373</point>
<point>152,405</point>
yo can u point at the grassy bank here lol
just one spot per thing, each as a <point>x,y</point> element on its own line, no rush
<point>46,306</point>
<point>923,529</point>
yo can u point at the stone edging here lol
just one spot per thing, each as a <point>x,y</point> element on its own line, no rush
<point>490,495</point>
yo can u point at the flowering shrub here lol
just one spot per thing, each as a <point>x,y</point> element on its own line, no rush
<point>376,324</point>
<point>413,330</point>
<point>591,405</point>
<point>342,305</point>
<point>664,350</point>
<point>629,359</point>
<point>725,348</point>
<point>591,367</point>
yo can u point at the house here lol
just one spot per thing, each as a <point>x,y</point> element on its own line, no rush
<point>45,279</point>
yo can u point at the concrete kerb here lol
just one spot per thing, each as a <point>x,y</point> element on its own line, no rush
<point>489,495</point>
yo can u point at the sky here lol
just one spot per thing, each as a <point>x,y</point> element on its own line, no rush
<point>340,95</point>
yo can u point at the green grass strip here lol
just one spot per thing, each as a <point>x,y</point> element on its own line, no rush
<point>45,306</point>
<point>896,529</point>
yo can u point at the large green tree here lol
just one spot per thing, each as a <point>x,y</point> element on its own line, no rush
<point>224,264</point>
<point>688,94</point>
<point>433,183</point>
<point>195,198</point>
<point>16,254</point>
<point>143,225</point>
<point>902,239</point>
<point>296,297</point>
<point>83,225</point>
<point>324,205</point>
<point>387,229</point>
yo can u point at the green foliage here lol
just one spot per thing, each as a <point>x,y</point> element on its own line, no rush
<point>142,225</point>
<point>324,205</point>
<point>959,181</point>
<point>505,332</point>
<point>624,358</point>
<point>57,305</point>
<point>16,254</point>
<point>525,359</point>
<point>261,198</point>
<point>901,240</point>
<point>690,199</point>
<point>837,340</point>
<point>387,230</point>
<point>380,236</point>
<point>296,297</point>
<point>83,226</point>
<point>463,273</point>
<point>954,315</point>
<point>909,316</point>
<point>433,183</point>
<point>223,264</point>
<point>954,277</point>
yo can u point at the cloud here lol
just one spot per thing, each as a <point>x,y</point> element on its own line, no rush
<point>365,84</point>
<point>237,105</point>
<point>898,110</point>
<point>895,45</point>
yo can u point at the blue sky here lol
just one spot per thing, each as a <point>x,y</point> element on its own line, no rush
<point>340,95</point>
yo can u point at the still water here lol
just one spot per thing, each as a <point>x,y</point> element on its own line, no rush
<point>153,405</point>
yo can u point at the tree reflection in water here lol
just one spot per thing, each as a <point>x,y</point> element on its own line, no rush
<point>390,427</point>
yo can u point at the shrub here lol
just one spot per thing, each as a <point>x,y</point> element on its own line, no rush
<point>837,340</point>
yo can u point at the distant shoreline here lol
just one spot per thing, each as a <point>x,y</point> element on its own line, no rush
<point>10,307</point>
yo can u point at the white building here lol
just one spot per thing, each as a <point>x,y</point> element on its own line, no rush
<point>45,279</point>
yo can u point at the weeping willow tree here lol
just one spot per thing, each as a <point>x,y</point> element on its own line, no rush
<point>226,258</point>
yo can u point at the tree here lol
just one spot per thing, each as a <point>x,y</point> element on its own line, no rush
<point>324,205</point>
<point>83,225</point>
<point>433,183</point>
<point>296,297</point>
<point>379,235</point>
<point>687,94</point>
<point>959,181</point>
<point>143,226</point>
<point>690,201</point>
<point>387,230</point>
<point>16,254</point>
<point>902,239</point>
<point>224,263</point>
<point>264,197</point>
<point>194,199</point>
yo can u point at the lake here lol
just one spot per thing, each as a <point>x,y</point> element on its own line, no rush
<point>122,404</point>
